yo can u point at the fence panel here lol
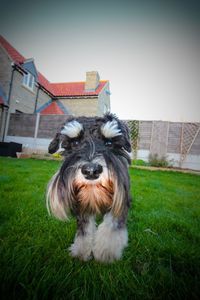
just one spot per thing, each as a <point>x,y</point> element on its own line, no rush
<point>145,133</point>
<point>49,124</point>
<point>22,125</point>
<point>159,138</point>
<point>174,138</point>
<point>195,149</point>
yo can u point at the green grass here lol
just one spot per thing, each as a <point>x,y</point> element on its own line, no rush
<point>162,260</point>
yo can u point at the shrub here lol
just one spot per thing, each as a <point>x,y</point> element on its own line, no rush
<point>156,161</point>
<point>139,162</point>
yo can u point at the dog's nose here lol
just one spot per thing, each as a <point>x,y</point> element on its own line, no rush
<point>91,171</point>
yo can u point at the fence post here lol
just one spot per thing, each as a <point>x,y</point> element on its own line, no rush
<point>36,130</point>
<point>3,121</point>
<point>151,141</point>
<point>7,123</point>
<point>181,146</point>
<point>167,137</point>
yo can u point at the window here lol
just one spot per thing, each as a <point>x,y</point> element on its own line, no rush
<point>28,81</point>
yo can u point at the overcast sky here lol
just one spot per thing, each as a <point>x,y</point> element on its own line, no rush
<point>150,53</point>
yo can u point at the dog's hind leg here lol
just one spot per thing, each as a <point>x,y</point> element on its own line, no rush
<point>84,239</point>
<point>110,239</point>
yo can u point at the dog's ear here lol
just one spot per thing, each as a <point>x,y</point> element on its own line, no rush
<point>123,128</point>
<point>54,145</point>
<point>126,134</point>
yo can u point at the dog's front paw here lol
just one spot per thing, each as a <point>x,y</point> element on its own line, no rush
<point>109,243</point>
<point>81,248</point>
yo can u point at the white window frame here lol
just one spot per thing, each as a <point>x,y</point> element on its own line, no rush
<point>29,81</point>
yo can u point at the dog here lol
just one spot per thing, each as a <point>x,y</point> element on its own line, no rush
<point>93,180</point>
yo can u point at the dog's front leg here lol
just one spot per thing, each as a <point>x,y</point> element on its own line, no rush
<point>110,239</point>
<point>84,239</point>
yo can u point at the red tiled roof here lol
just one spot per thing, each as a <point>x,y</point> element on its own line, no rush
<point>14,54</point>
<point>52,109</point>
<point>75,89</point>
<point>67,89</point>
<point>45,83</point>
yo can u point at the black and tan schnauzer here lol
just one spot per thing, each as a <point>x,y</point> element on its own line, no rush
<point>93,180</point>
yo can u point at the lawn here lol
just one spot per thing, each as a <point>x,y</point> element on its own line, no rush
<point>162,260</point>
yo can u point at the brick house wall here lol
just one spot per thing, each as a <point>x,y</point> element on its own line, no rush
<point>42,98</point>
<point>104,100</point>
<point>81,106</point>
<point>89,106</point>
<point>21,98</point>
<point>95,106</point>
<point>5,70</point>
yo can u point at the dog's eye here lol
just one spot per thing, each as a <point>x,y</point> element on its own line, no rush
<point>108,143</point>
<point>75,143</point>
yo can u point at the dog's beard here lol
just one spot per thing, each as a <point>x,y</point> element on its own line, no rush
<point>94,196</point>
<point>70,191</point>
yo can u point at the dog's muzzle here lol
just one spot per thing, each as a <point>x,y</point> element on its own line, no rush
<point>91,171</point>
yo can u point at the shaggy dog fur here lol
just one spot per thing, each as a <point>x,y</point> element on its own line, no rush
<point>93,180</point>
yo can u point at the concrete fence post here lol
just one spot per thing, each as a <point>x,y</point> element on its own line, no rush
<point>37,122</point>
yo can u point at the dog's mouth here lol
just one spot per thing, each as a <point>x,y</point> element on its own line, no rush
<point>95,186</point>
<point>92,176</point>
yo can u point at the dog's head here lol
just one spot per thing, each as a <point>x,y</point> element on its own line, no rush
<point>93,177</point>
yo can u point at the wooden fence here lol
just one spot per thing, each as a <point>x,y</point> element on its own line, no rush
<point>157,137</point>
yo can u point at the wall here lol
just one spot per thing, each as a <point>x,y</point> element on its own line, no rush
<point>42,98</point>
<point>22,98</point>
<point>5,70</point>
<point>104,100</point>
<point>79,107</point>
<point>90,106</point>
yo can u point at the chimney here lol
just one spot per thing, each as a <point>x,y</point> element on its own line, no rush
<point>92,80</point>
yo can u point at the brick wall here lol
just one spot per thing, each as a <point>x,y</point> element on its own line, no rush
<point>96,106</point>
<point>80,107</point>
<point>104,100</point>
<point>49,125</point>
<point>42,98</point>
<point>22,125</point>
<point>5,70</point>
<point>22,99</point>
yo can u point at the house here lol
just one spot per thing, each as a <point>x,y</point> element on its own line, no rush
<point>23,89</point>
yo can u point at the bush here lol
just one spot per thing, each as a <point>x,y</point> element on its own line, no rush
<point>156,161</point>
<point>139,162</point>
